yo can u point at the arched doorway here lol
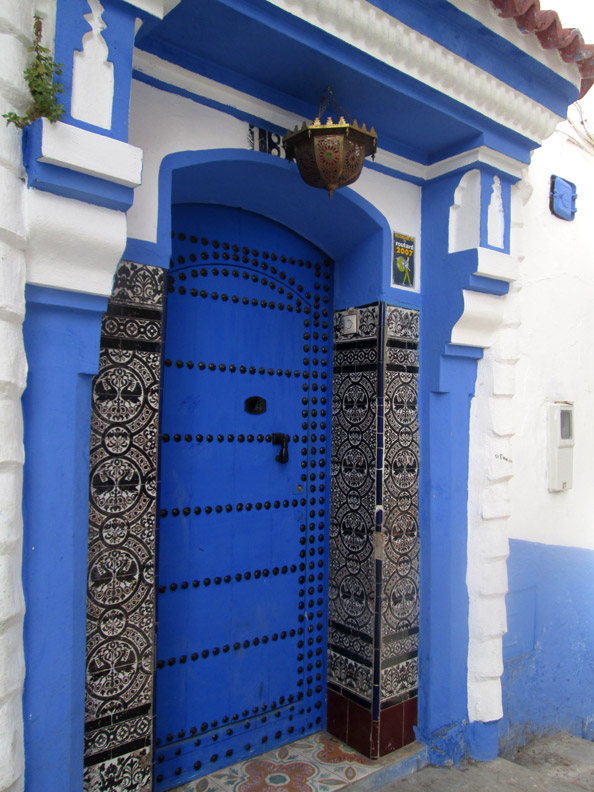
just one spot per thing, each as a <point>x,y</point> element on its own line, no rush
<point>373,360</point>
<point>242,567</point>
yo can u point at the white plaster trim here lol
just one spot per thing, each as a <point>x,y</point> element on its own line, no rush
<point>15,30</point>
<point>481,154</point>
<point>499,266</point>
<point>384,37</point>
<point>92,74</point>
<point>73,245</point>
<point>464,227</point>
<point>397,163</point>
<point>200,86</point>
<point>496,217</point>
<point>188,80</point>
<point>482,315</point>
<point>487,15</point>
<point>88,152</point>
<point>491,468</point>
<point>158,8</point>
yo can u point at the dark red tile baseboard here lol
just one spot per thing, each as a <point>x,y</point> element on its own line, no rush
<point>353,724</point>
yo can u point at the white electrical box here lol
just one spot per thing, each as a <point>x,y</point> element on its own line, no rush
<point>350,323</point>
<point>560,446</point>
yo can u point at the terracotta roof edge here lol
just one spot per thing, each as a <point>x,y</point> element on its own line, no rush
<point>547,27</point>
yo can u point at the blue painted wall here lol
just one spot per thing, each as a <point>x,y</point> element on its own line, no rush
<point>69,183</point>
<point>263,42</point>
<point>549,647</point>
<point>349,229</point>
<point>62,344</point>
<point>61,332</point>
<point>447,382</point>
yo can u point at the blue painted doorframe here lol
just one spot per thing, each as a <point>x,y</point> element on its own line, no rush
<point>357,237</point>
<point>244,492</point>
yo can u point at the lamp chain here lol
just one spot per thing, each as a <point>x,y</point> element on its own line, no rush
<point>327,99</point>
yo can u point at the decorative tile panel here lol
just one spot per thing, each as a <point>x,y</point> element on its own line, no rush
<point>122,518</point>
<point>400,613</point>
<point>353,501</point>
<point>374,536</point>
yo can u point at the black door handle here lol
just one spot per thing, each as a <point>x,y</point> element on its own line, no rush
<point>283,441</point>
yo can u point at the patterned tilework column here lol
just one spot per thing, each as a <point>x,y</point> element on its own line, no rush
<point>399,639</point>
<point>352,516</point>
<point>122,517</point>
<point>374,550</point>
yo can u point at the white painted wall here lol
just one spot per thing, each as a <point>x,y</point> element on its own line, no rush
<point>162,123</point>
<point>43,239</point>
<point>542,352</point>
<point>16,21</point>
<point>555,351</point>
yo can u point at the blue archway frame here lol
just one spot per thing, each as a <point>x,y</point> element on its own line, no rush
<point>349,228</point>
<point>357,236</point>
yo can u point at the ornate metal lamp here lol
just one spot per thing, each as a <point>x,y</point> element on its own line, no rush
<point>330,155</point>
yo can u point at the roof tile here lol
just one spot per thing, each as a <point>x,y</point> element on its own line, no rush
<point>547,27</point>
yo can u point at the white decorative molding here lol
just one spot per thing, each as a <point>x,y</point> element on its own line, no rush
<point>499,266</point>
<point>188,80</point>
<point>496,216</point>
<point>475,156</point>
<point>92,74</point>
<point>491,467</point>
<point>465,214</point>
<point>480,155</point>
<point>397,163</point>
<point>15,31</point>
<point>91,153</point>
<point>158,8</point>
<point>483,313</point>
<point>487,15</point>
<point>203,87</point>
<point>73,245</point>
<point>384,37</point>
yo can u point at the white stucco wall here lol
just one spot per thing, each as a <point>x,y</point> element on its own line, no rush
<point>162,123</point>
<point>16,21</point>
<point>555,351</point>
<point>541,353</point>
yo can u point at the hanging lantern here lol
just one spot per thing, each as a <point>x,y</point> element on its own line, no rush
<point>330,155</point>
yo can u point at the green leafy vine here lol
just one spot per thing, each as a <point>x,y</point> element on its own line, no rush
<point>39,76</point>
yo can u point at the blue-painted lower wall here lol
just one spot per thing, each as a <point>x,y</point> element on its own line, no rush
<point>548,682</point>
<point>61,333</point>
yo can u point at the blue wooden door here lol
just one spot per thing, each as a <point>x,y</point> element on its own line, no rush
<point>244,492</point>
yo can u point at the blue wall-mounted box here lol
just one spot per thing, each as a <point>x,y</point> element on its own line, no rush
<point>562,198</point>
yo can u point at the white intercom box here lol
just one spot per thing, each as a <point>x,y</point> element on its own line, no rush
<point>560,446</point>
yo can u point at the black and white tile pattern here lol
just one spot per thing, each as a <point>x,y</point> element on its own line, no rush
<point>374,537</point>
<point>122,517</point>
<point>352,521</point>
<point>400,566</point>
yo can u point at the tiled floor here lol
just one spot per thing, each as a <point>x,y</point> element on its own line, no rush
<point>319,763</point>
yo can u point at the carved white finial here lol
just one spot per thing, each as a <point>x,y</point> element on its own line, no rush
<point>496,216</point>
<point>92,77</point>
<point>465,214</point>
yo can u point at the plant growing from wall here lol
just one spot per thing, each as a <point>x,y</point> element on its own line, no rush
<point>39,76</point>
<point>580,133</point>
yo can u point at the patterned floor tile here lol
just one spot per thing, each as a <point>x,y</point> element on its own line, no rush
<point>282,770</point>
<point>201,785</point>
<point>319,763</point>
<point>333,756</point>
